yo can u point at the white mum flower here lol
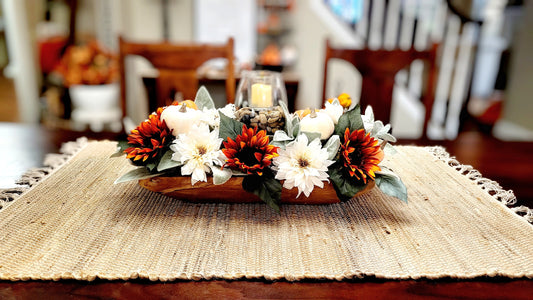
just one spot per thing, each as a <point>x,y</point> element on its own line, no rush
<point>228,110</point>
<point>334,110</point>
<point>199,150</point>
<point>210,117</point>
<point>368,119</point>
<point>303,165</point>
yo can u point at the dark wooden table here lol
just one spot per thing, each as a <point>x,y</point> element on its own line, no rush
<point>509,163</point>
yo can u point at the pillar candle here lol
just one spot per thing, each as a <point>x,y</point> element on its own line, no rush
<point>261,95</point>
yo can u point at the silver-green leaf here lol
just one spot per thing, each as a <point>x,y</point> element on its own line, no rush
<point>121,146</point>
<point>166,162</point>
<point>280,136</point>
<point>203,99</point>
<point>390,184</point>
<point>311,136</point>
<point>136,174</point>
<point>281,144</point>
<point>220,176</point>
<point>289,125</point>
<point>332,146</point>
<point>389,150</point>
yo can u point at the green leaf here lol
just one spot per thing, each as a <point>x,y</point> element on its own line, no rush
<point>203,99</point>
<point>282,144</point>
<point>377,127</point>
<point>166,162</point>
<point>121,146</point>
<point>136,174</point>
<point>390,184</point>
<point>265,187</point>
<point>238,173</point>
<point>387,137</point>
<point>288,117</point>
<point>281,139</point>
<point>332,146</point>
<point>220,176</point>
<point>344,185</point>
<point>311,136</point>
<point>382,132</point>
<point>350,119</point>
<point>229,128</point>
<point>281,136</point>
<point>335,101</point>
<point>369,115</point>
<point>151,166</point>
<point>295,127</point>
<point>389,150</point>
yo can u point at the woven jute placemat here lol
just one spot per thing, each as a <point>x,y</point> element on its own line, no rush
<point>77,224</point>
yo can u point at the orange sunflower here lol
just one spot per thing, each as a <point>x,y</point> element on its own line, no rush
<point>250,152</point>
<point>361,154</point>
<point>148,139</point>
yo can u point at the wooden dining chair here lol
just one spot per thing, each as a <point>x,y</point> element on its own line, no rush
<point>177,65</point>
<point>378,69</point>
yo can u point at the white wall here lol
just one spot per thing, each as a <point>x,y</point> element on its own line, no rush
<point>309,36</point>
<point>518,105</point>
<point>23,67</point>
<point>141,20</point>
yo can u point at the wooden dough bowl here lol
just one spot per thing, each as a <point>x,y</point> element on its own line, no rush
<point>232,191</point>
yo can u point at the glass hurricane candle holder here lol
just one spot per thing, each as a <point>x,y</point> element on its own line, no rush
<point>260,90</point>
<point>258,100</point>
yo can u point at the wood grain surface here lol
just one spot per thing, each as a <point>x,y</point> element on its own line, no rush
<point>232,191</point>
<point>220,289</point>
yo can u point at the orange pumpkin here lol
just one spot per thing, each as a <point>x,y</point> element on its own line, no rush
<point>188,103</point>
<point>302,113</point>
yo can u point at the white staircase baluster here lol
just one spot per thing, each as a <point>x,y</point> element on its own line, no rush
<point>362,26</point>
<point>408,24</point>
<point>461,79</point>
<point>444,78</point>
<point>391,24</point>
<point>375,39</point>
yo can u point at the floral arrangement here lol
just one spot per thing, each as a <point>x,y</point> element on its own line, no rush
<point>335,144</point>
<point>87,64</point>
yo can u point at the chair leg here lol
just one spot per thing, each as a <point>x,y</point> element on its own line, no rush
<point>377,92</point>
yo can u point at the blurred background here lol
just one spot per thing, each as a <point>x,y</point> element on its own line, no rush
<point>484,58</point>
<point>60,69</point>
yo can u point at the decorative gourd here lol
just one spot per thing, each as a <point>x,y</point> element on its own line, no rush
<point>188,104</point>
<point>318,122</point>
<point>303,112</point>
<point>180,118</point>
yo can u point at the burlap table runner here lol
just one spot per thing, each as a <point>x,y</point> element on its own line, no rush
<point>76,224</point>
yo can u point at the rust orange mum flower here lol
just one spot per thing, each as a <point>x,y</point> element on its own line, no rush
<point>148,139</point>
<point>361,154</point>
<point>250,152</point>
